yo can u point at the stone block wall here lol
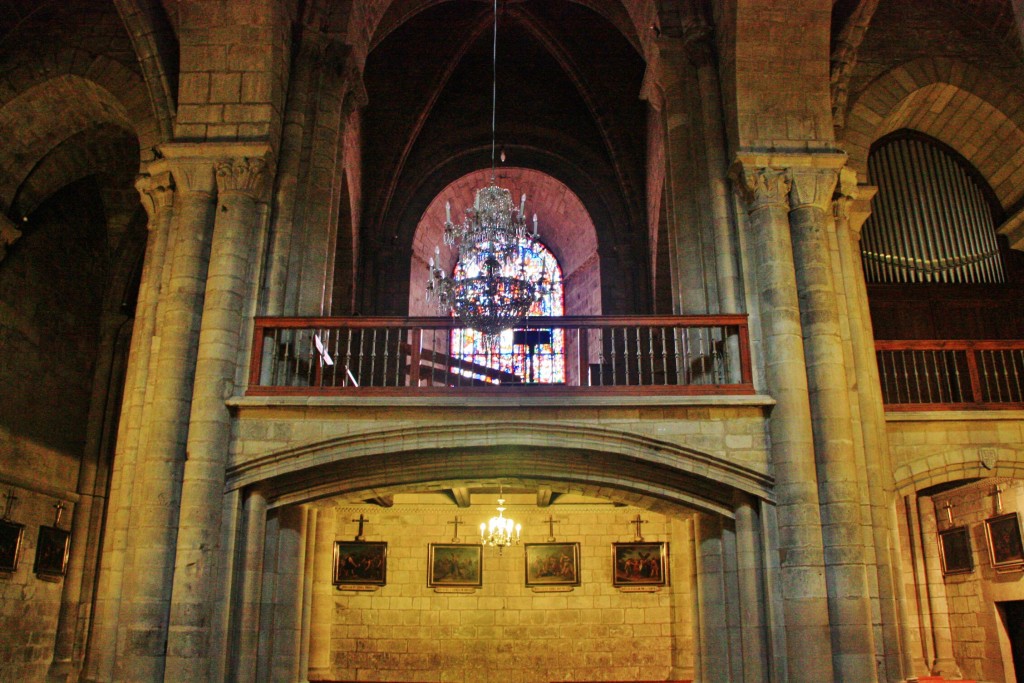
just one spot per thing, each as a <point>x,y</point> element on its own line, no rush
<point>408,631</point>
<point>51,289</point>
<point>980,643</point>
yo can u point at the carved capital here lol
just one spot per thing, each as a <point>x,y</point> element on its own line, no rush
<point>244,175</point>
<point>761,187</point>
<point>156,191</point>
<point>812,188</point>
<point>9,234</point>
<point>698,41</point>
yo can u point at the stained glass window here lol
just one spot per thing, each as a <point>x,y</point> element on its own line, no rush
<point>524,356</point>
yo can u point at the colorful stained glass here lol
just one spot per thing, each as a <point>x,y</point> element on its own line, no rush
<point>520,356</point>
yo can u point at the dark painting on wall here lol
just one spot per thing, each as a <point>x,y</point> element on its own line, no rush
<point>640,564</point>
<point>552,564</point>
<point>1004,542</point>
<point>52,551</point>
<point>359,564</point>
<point>10,545</point>
<point>455,564</point>
<point>955,550</point>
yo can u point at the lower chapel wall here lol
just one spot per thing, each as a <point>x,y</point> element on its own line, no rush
<point>407,631</point>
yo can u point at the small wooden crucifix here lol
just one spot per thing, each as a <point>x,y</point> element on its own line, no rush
<point>999,499</point>
<point>59,507</point>
<point>551,527</point>
<point>362,520</point>
<point>10,503</point>
<point>456,522</point>
<point>637,522</point>
<point>948,507</point>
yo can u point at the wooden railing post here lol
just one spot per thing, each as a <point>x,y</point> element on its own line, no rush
<point>415,349</point>
<point>583,351</point>
<point>972,369</point>
<point>256,362</point>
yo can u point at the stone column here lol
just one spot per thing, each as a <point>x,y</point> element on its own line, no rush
<point>751,591</point>
<point>288,599</point>
<point>153,525</point>
<point>308,577</point>
<point>690,274</point>
<point>684,596</point>
<point>199,556</point>
<point>322,607</point>
<point>851,208</point>
<point>801,559</point>
<point>245,634</point>
<point>714,627</point>
<point>944,663</point>
<point>839,483</point>
<point>156,189</point>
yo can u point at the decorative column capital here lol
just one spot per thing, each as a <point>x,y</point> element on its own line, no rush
<point>198,167</point>
<point>156,191</point>
<point>761,187</point>
<point>698,41</point>
<point>244,175</point>
<point>812,188</point>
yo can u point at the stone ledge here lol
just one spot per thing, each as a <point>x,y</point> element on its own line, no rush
<point>954,415</point>
<point>464,401</point>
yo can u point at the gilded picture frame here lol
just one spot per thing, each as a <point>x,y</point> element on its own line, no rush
<point>640,564</point>
<point>52,546</point>
<point>552,564</point>
<point>360,563</point>
<point>955,551</point>
<point>455,565</point>
<point>1005,547</point>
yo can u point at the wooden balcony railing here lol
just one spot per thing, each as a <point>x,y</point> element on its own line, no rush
<point>656,355</point>
<point>951,375</point>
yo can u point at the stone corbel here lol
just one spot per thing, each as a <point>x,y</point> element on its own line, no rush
<point>1013,229</point>
<point>852,202</point>
<point>9,234</point>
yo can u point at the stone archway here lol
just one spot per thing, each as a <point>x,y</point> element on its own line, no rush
<point>297,501</point>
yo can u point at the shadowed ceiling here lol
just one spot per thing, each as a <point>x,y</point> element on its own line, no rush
<point>568,106</point>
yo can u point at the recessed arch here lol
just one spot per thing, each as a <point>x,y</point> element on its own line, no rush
<point>566,228</point>
<point>930,95</point>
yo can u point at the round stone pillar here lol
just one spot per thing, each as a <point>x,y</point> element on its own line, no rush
<point>156,190</point>
<point>839,482</point>
<point>198,582</point>
<point>152,530</point>
<point>751,591</point>
<point>808,653</point>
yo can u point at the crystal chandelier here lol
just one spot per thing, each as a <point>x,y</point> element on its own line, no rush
<point>493,292</point>
<point>500,531</point>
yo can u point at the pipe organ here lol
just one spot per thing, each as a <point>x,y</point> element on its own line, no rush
<point>931,221</point>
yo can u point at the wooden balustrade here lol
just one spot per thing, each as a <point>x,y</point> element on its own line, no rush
<point>416,356</point>
<point>951,375</point>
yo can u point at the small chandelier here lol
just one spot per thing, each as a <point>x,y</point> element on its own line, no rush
<point>500,531</point>
<point>494,292</point>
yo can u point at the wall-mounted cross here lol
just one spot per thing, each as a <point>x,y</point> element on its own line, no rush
<point>456,522</point>
<point>10,503</point>
<point>636,523</point>
<point>551,527</point>
<point>948,507</point>
<point>59,507</point>
<point>362,520</point>
<point>999,499</point>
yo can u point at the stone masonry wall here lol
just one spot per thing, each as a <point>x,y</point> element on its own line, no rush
<point>407,631</point>
<point>972,598</point>
<point>51,288</point>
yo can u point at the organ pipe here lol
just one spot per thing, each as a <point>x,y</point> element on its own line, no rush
<point>931,221</point>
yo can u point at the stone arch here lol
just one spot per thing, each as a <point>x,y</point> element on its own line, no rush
<point>931,95</point>
<point>75,105</point>
<point>931,468</point>
<point>566,228</point>
<point>595,461</point>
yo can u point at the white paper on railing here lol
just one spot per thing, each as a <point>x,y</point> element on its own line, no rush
<point>324,356</point>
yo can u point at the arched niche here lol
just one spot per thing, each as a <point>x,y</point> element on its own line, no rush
<point>565,226</point>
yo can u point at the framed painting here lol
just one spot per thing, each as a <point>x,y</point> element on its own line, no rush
<point>639,564</point>
<point>1004,541</point>
<point>11,534</point>
<point>359,563</point>
<point>955,550</point>
<point>52,551</point>
<point>455,564</point>
<point>552,564</point>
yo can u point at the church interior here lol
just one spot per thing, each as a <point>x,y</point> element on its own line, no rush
<point>751,408</point>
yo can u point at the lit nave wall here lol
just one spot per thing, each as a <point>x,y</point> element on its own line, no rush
<point>406,630</point>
